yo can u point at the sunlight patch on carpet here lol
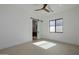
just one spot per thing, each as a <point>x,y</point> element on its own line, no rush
<point>45,44</point>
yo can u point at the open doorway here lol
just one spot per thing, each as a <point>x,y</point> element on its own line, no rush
<point>34,29</point>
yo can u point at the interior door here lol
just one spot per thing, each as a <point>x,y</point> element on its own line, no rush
<point>39,30</point>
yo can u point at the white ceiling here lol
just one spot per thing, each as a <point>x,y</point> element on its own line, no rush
<point>62,7</point>
<point>55,7</point>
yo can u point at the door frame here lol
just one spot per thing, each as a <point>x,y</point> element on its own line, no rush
<point>36,30</point>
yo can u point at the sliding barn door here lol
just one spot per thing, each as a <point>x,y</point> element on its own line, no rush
<point>39,30</point>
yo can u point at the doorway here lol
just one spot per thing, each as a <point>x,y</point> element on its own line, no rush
<point>34,29</point>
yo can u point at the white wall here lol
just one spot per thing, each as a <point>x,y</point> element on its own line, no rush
<point>70,30</point>
<point>15,26</point>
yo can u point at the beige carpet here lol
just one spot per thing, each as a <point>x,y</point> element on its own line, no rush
<point>31,49</point>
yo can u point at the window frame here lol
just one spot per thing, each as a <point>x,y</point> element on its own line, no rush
<point>55,25</point>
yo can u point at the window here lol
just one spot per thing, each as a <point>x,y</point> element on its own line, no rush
<point>56,25</point>
<point>52,26</point>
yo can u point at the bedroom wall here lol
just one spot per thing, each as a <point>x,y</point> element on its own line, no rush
<point>70,30</point>
<point>15,26</point>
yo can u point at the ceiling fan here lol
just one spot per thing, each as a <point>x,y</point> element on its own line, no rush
<point>44,8</point>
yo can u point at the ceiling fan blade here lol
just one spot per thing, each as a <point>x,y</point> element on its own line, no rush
<point>46,10</point>
<point>44,6</point>
<point>38,9</point>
